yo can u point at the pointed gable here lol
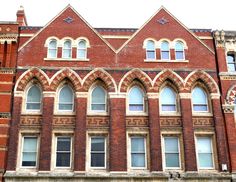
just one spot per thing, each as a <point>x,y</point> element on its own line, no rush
<point>164,26</point>
<point>66,25</point>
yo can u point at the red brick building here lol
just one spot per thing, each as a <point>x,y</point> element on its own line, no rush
<point>119,104</point>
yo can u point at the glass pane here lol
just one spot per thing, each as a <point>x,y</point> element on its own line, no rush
<point>165,46</point>
<point>168,108</point>
<point>199,96</point>
<point>81,53</point>
<point>200,107</point>
<point>230,59</point>
<point>172,160</point>
<point>30,144</point>
<point>179,46</point>
<point>67,107</point>
<point>137,145</point>
<point>136,96</point>
<point>231,67</point>
<point>97,160</point>
<point>34,94</point>
<point>150,45</point>
<point>63,144</point>
<point>33,106</point>
<point>53,44</point>
<point>97,144</point>
<point>67,44</point>
<point>168,96</point>
<point>138,160</point>
<point>179,55</point>
<point>205,160</point>
<point>66,95</point>
<point>52,53</point>
<point>98,96</point>
<point>63,160</point>
<point>165,55</point>
<point>66,53</point>
<point>204,144</point>
<point>151,54</point>
<point>135,107</point>
<point>29,163</point>
<point>98,107</point>
<point>29,156</point>
<point>171,145</point>
<point>82,44</point>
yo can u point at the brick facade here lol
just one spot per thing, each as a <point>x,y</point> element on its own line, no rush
<point>116,61</point>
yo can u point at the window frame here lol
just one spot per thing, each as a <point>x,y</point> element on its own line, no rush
<point>164,151</point>
<point>23,136</point>
<point>34,111</point>
<point>85,49</point>
<point>176,101</point>
<point>150,50</point>
<point>161,50</point>
<point>90,100</point>
<point>90,152</point>
<point>207,101</point>
<point>63,49</point>
<point>145,150</point>
<point>55,151</point>
<point>58,100</point>
<point>213,151</point>
<point>183,51</point>
<point>230,53</point>
<point>50,49</point>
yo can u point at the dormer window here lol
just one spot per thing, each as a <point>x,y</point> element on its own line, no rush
<point>231,64</point>
<point>52,49</point>
<point>179,51</point>
<point>165,51</point>
<point>82,50</point>
<point>67,49</point>
<point>150,50</point>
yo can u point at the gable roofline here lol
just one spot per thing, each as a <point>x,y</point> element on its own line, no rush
<point>163,8</point>
<point>68,6</point>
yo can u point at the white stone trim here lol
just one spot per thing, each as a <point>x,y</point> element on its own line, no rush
<point>122,95</point>
<point>81,94</point>
<point>215,96</point>
<point>49,94</point>
<point>152,95</point>
<point>185,95</point>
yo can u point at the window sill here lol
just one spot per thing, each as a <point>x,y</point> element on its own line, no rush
<point>202,114</point>
<point>97,114</point>
<point>31,113</point>
<point>170,114</point>
<point>165,61</point>
<point>64,113</point>
<point>136,114</point>
<point>65,59</point>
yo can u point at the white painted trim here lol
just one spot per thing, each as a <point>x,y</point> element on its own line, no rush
<point>164,61</point>
<point>116,36</point>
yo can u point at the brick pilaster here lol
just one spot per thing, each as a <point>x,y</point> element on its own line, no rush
<point>117,140</point>
<point>155,135</point>
<point>46,134</point>
<point>221,138</point>
<point>13,134</point>
<point>80,135</point>
<point>188,135</point>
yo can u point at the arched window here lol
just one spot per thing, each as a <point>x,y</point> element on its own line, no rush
<point>67,49</point>
<point>179,51</point>
<point>82,50</point>
<point>52,49</point>
<point>199,100</point>
<point>168,100</point>
<point>136,99</point>
<point>165,50</point>
<point>33,100</point>
<point>98,99</point>
<point>150,50</point>
<point>66,99</point>
<point>231,63</point>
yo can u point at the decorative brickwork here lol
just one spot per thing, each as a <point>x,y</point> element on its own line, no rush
<point>231,95</point>
<point>136,121</point>
<point>203,121</point>
<point>170,121</point>
<point>31,120</point>
<point>95,121</point>
<point>63,121</point>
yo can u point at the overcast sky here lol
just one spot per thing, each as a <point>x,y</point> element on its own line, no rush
<point>213,14</point>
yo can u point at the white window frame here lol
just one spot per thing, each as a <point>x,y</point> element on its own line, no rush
<point>212,150</point>
<point>130,152</point>
<point>49,49</point>
<point>85,49</point>
<point>233,54</point>
<point>63,48</point>
<point>208,111</point>
<point>176,103</point>
<point>90,100</point>
<point>144,111</point>
<point>105,151</point>
<point>164,152</point>
<point>58,100</point>
<point>22,147</point>
<point>161,50</point>
<point>55,151</point>
<point>146,50</point>
<point>178,41</point>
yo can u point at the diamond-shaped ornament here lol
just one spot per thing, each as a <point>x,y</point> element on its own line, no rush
<point>68,19</point>
<point>162,21</point>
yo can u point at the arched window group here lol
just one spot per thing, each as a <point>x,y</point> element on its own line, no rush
<point>165,53</point>
<point>67,48</point>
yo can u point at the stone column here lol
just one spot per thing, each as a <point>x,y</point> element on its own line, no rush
<point>80,132</point>
<point>46,133</point>
<point>117,135</point>
<point>155,134</point>
<point>14,133</point>
<point>188,132</point>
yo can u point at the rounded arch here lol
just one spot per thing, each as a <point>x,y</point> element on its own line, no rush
<point>63,74</point>
<point>166,75</point>
<point>30,74</point>
<point>180,40</point>
<point>48,40</point>
<point>195,76</point>
<point>99,73</point>
<point>83,38</point>
<point>129,77</point>
<point>231,95</point>
<point>149,39</point>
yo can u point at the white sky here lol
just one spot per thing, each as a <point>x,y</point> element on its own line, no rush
<point>214,14</point>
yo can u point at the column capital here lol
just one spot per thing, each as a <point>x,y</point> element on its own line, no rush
<point>228,108</point>
<point>219,39</point>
